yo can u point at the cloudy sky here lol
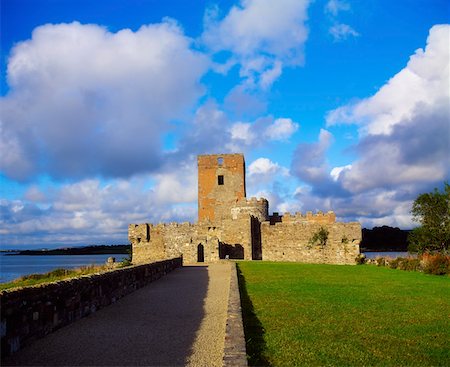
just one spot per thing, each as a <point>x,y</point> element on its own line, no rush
<point>337,105</point>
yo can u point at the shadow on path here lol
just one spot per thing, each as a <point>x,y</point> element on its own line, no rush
<point>253,329</point>
<point>156,325</point>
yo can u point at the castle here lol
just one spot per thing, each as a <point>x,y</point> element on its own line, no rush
<point>230,226</point>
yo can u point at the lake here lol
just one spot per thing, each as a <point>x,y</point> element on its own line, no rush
<point>392,254</point>
<point>12,267</point>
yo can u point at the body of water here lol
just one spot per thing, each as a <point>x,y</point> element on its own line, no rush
<point>392,254</point>
<point>12,267</point>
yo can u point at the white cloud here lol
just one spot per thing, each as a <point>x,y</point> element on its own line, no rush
<point>178,187</point>
<point>403,148</point>
<point>333,7</point>
<point>85,101</point>
<point>270,75</point>
<point>242,131</point>
<point>339,31</point>
<point>90,211</point>
<point>342,31</point>
<point>261,35</point>
<point>336,171</point>
<point>422,85</point>
<point>405,126</point>
<point>264,166</point>
<point>281,129</point>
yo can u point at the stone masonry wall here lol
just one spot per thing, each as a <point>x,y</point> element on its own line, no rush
<point>214,199</point>
<point>321,218</point>
<point>33,312</point>
<point>173,240</point>
<point>290,241</point>
<point>258,208</point>
<point>237,234</point>
<point>146,242</point>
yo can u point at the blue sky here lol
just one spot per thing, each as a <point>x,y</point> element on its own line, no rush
<point>337,105</point>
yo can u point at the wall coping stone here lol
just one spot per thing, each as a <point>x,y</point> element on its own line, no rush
<point>235,353</point>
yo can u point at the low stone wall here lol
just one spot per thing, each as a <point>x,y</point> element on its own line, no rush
<point>234,354</point>
<point>33,312</point>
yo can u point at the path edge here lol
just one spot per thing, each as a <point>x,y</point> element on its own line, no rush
<point>235,353</point>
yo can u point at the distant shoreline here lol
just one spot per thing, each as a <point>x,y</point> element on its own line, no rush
<point>87,250</point>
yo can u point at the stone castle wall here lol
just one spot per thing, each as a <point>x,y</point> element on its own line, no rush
<point>232,226</point>
<point>291,241</point>
<point>156,242</point>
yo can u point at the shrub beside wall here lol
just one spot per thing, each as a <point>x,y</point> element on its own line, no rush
<point>437,264</point>
<point>32,312</point>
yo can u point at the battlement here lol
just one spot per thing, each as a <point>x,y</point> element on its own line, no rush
<point>252,201</point>
<point>172,225</point>
<point>309,217</point>
<point>258,208</point>
<point>223,160</point>
<point>319,217</point>
<point>139,232</point>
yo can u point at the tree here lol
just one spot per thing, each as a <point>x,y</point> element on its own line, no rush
<point>432,211</point>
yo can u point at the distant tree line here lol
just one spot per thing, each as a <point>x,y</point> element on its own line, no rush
<point>87,250</point>
<point>384,238</point>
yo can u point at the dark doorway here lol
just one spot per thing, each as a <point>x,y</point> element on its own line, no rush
<point>200,253</point>
<point>235,251</point>
<point>256,239</point>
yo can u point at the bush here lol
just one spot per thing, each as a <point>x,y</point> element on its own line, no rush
<point>395,263</point>
<point>124,263</point>
<point>360,259</point>
<point>380,261</point>
<point>406,263</point>
<point>437,264</point>
<point>410,264</point>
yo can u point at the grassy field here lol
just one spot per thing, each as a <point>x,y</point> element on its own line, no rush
<point>302,314</point>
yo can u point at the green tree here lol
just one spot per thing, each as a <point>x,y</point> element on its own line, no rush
<point>432,211</point>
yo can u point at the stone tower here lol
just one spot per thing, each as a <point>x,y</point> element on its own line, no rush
<point>221,184</point>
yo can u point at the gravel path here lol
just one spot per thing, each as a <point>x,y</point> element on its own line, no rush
<point>175,321</point>
<point>209,343</point>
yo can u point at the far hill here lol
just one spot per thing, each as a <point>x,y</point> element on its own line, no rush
<point>87,250</point>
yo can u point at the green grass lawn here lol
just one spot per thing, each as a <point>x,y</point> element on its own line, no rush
<point>304,314</point>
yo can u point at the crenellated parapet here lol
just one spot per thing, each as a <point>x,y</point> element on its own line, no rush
<point>139,232</point>
<point>161,226</point>
<point>309,217</point>
<point>255,207</point>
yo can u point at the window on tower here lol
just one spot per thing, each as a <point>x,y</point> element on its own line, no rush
<point>220,179</point>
